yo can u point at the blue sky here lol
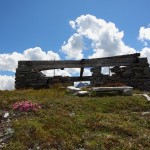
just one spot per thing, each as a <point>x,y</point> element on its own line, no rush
<point>30,23</point>
<point>45,24</point>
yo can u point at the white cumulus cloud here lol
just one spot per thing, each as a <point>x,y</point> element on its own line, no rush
<point>105,38</point>
<point>38,54</point>
<point>144,34</point>
<point>74,47</point>
<point>56,72</point>
<point>72,24</point>
<point>7,82</point>
<point>145,52</point>
<point>9,62</point>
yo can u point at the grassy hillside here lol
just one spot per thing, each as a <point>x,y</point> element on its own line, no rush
<point>67,122</point>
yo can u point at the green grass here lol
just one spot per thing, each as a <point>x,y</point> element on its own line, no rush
<point>68,122</point>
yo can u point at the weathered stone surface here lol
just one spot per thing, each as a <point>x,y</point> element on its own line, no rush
<point>82,93</point>
<point>147,97</point>
<point>127,92</point>
<point>145,113</point>
<point>103,89</point>
<point>73,89</point>
<point>136,72</point>
<point>128,73</point>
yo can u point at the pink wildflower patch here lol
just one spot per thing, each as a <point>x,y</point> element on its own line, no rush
<point>26,106</point>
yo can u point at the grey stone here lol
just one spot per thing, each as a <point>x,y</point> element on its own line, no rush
<point>103,89</point>
<point>73,89</point>
<point>28,74</point>
<point>147,97</point>
<point>127,92</point>
<point>145,113</point>
<point>82,93</point>
<point>6,115</point>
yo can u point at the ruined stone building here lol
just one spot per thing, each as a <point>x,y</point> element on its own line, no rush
<point>130,70</point>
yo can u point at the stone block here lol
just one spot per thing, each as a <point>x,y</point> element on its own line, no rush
<point>73,89</point>
<point>82,93</point>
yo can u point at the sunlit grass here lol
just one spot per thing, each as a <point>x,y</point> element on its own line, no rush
<point>71,122</point>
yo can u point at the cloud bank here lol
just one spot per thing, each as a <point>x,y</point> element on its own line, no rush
<point>92,38</point>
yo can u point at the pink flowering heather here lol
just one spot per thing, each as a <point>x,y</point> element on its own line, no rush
<point>26,106</point>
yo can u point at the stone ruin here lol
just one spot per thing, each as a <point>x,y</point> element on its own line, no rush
<point>130,70</point>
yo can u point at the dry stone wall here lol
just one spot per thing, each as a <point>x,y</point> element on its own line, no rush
<point>127,69</point>
<point>136,75</point>
<point>30,79</point>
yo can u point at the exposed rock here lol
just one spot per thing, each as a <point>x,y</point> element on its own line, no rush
<point>147,97</point>
<point>6,115</point>
<point>73,89</point>
<point>82,93</point>
<point>6,131</point>
<point>145,113</point>
<point>127,92</point>
<point>72,114</point>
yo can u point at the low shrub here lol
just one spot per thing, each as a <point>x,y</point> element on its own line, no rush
<point>26,106</point>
